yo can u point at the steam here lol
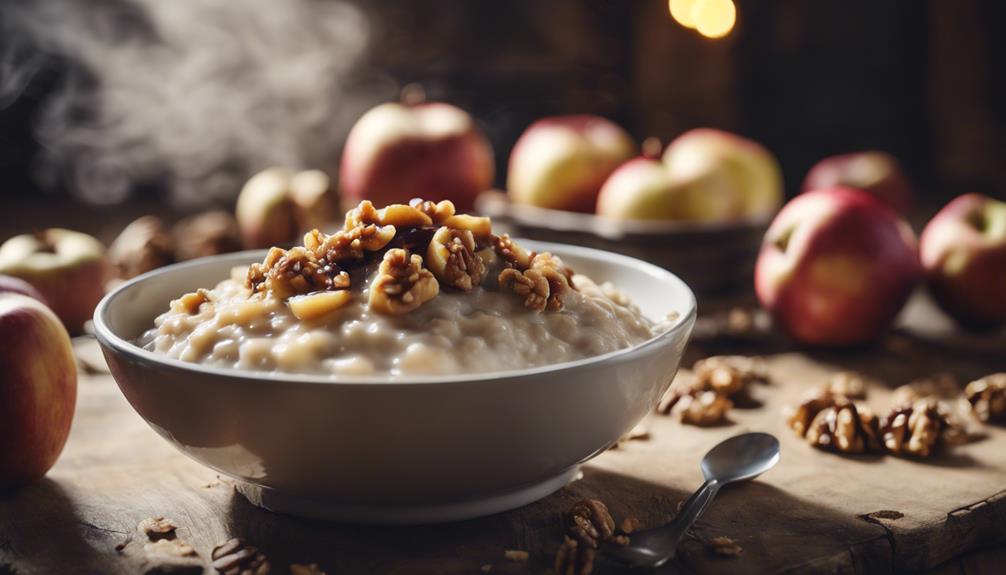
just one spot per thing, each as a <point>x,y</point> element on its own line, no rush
<point>190,95</point>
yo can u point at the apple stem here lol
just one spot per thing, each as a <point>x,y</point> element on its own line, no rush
<point>652,147</point>
<point>412,94</point>
<point>43,238</point>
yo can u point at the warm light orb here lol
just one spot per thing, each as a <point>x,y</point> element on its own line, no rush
<point>714,18</point>
<point>682,11</point>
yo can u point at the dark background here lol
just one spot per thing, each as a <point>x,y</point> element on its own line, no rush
<point>921,79</point>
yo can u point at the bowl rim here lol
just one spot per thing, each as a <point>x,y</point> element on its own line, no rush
<point>110,340</point>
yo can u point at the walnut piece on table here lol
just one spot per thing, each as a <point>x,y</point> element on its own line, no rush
<point>918,429</point>
<point>800,418</point>
<point>987,397</point>
<point>155,528</point>
<point>236,557</point>
<point>725,547</point>
<point>728,374</point>
<point>845,428</point>
<point>402,284</point>
<point>703,407</point>
<point>574,558</point>
<point>590,522</point>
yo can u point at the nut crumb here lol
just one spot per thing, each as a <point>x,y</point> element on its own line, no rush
<point>311,569</point>
<point>725,546</point>
<point>157,528</point>
<point>574,558</point>
<point>486,568</point>
<point>515,555</point>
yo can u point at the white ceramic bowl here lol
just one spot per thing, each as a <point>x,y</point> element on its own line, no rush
<point>402,450</point>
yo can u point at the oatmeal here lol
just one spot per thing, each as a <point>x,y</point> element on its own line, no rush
<point>406,290</point>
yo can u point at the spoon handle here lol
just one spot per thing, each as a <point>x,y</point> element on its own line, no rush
<point>690,512</point>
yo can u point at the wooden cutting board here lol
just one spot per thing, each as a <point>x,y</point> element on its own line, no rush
<point>815,512</point>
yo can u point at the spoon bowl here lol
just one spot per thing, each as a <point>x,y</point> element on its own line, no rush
<point>741,457</point>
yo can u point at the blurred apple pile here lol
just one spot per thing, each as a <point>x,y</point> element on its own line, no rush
<point>589,164</point>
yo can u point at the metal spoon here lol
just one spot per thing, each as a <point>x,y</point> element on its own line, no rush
<point>739,458</point>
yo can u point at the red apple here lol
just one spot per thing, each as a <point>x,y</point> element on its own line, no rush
<point>432,151</point>
<point>876,173</point>
<point>963,251</point>
<point>753,173</point>
<point>11,284</point>
<point>67,267</point>
<point>561,162</point>
<point>836,266</point>
<point>38,389</point>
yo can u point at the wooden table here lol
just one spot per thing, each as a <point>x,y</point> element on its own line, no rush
<point>813,513</point>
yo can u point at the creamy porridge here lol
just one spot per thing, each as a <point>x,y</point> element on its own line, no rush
<point>404,290</point>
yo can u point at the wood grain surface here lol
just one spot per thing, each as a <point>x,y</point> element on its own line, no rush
<point>814,513</point>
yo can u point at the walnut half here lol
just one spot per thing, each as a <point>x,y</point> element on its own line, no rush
<point>402,284</point>
<point>542,285</point>
<point>845,428</point>
<point>451,257</point>
<point>987,397</point>
<point>917,429</point>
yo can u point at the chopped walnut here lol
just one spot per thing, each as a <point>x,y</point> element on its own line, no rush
<point>702,408</point>
<point>155,528</point>
<point>398,215</point>
<point>917,429</point>
<point>362,215</point>
<point>987,397</point>
<point>530,285</point>
<point>438,212</point>
<point>451,257</point>
<point>294,272</point>
<point>848,384</point>
<point>728,374</point>
<point>590,522</point>
<point>725,546</point>
<point>235,557</point>
<point>348,245</point>
<point>543,285</point>
<point>402,284</point>
<point>802,416</point>
<point>845,428</point>
<point>511,253</point>
<point>574,558</point>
